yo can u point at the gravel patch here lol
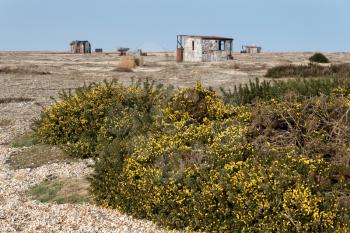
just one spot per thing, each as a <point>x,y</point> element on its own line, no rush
<point>18,213</point>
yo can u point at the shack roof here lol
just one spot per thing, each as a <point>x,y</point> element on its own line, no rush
<point>208,37</point>
<point>251,46</point>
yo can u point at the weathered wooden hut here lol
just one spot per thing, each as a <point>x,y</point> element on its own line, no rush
<point>80,46</point>
<point>203,48</point>
<point>251,49</point>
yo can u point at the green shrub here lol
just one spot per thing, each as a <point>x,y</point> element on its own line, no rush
<point>228,173</point>
<point>98,114</point>
<point>304,71</point>
<point>319,58</point>
<point>195,105</point>
<point>279,89</point>
<point>192,162</point>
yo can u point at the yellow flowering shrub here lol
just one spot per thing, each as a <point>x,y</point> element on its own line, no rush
<point>196,105</point>
<point>194,163</point>
<point>95,115</point>
<point>230,169</point>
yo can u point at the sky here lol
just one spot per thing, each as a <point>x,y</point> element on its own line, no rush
<point>152,25</point>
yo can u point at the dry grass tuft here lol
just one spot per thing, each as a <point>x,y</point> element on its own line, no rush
<point>23,70</point>
<point>25,140</point>
<point>5,122</point>
<point>36,156</point>
<point>123,69</point>
<point>15,100</point>
<point>127,63</point>
<point>139,61</point>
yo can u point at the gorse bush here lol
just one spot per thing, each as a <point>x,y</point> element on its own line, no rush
<point>194,161</point>
<point>222,172</point>
<point>196,105</point>
<point>304,71</point>
<point>97,114</point>
<point>319,58</point>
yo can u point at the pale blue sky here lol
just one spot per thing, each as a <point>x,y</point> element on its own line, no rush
<point>276,25</point>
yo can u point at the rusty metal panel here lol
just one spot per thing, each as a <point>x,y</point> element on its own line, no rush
<point>179,54</point>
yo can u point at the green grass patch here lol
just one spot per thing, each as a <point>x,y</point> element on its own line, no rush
<point>25,140</point>
<point>61,191</point>
<point>5,122</point>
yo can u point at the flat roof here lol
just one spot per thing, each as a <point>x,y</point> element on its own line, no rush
<point>78,41</point>
<point>208,37</point>
<point>251,46</point>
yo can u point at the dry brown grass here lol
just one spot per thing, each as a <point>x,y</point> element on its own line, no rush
<point>36,156</point>
<point>123,69</point>
<point>62,190</point>
<point>15,100</point>
<point>5,122</point>
<point>127,63</point>
<point>74,186</point>
<point>23,70</point>
<point>139,61</point>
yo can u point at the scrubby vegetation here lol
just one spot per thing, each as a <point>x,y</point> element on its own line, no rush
<point>319,58</point>
<point>277,89</point>
<point>127,63</point>
<point>25,140</point>
<point>268,157</point>
<point>15,100</point>
<point>123,69</point>
<point>37,156</point>
<point>98,114</point>
<point>310,70</point>
<point>23,70</point>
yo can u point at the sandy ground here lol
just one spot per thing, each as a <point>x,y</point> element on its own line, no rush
<point>67,71</point>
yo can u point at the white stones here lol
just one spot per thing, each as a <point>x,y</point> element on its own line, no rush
<point>20,213</point>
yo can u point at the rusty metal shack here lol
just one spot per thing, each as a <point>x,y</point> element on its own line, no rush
<point>203,48</point>
<point>80,46</point>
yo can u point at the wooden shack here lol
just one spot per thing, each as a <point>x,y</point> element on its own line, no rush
<point>251,49</point>
<point>80,46</point>
<point>203,48</point>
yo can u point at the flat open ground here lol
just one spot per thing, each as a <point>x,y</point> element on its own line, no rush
<point>28,80</point>
<point>67,71</point>
<point>72,70</point>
